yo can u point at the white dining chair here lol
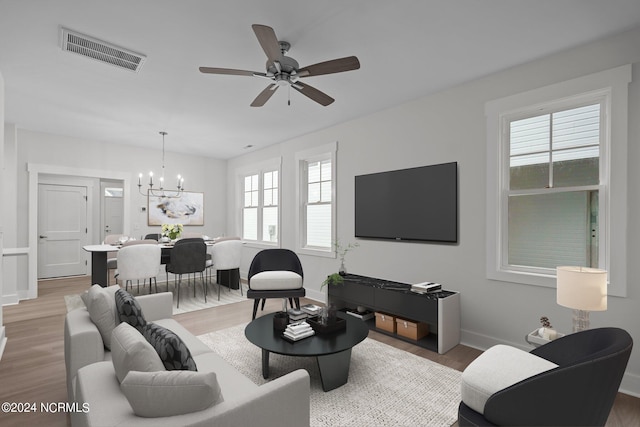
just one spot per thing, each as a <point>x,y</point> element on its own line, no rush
<point>139,262</point>
<point>226,256</point>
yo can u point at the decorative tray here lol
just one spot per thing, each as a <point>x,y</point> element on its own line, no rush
<point>322,328</point>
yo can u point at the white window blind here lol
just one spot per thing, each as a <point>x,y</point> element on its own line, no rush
<point>318,210</point>
<point>250,208</point>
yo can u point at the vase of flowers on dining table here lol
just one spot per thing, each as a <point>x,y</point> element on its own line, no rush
<point>172,231</point>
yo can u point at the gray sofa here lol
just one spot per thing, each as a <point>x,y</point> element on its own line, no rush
<point>93,385</point>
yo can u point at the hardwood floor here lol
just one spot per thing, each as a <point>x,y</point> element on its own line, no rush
<point>32,367</point>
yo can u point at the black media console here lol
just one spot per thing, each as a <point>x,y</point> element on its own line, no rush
<point>441,310</point>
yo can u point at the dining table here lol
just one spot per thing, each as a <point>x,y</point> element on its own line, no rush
<point>99,255</point>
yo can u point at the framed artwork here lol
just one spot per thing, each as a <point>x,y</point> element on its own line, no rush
<point>188,209</point>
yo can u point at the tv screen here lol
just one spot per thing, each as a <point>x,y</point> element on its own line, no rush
<point>409,204</point>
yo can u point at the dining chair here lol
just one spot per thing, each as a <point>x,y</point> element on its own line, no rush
<point>138,261</point>
<point>275,273</point>
<point>188,256</point>
<point>153,236</point>
<point>226,257</point>
<point>111,239</point>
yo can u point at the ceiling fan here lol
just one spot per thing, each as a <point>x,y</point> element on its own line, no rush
<point>283,70</point>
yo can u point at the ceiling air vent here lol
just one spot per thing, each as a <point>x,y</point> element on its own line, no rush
<point>101,51</point>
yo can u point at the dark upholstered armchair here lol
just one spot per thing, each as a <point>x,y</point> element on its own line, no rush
<point>580,390</point>
<point>275,273</point>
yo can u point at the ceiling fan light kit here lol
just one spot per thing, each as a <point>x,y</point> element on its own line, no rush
<point>284,71</point>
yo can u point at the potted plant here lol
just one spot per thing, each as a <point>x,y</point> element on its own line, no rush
<point>332,279</point>
<point>341,251</point>
<point>172,231</point>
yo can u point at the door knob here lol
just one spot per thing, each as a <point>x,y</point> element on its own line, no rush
<point>43,237</point>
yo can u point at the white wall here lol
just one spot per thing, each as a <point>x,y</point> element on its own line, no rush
<point>451,126</point>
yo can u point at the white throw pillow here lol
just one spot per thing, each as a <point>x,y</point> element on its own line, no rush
<point>101,304</point>
<point>130,351</point>
<point>275,280</point>
<point>167,393</point>
<point>497,368</point>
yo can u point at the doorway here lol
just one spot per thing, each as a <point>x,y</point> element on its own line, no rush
<point>112,212</point>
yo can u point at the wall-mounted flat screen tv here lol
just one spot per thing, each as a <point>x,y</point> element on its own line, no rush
<point>409,204</point>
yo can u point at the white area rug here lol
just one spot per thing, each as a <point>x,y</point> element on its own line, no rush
<point>188,302</point>
<point>387,386</point>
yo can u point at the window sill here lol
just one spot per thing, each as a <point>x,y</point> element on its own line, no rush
<point>325,253</point>
<point>524,278</point>
<point>260,245</point>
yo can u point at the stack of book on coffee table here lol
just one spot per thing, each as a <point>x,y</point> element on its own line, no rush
<point>311,309</point>
<point>298,331</point>
<point>296,314</point>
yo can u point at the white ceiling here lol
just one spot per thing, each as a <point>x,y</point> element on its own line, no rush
<point>407,49</point>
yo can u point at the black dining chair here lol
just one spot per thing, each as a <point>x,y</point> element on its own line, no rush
<point>188,256</point>
<point>153,236</point>
<point>275,273</point>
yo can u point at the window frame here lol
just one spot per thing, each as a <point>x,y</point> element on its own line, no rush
<point>259,169</point>
<point>610,86</point>
<point>302,158</point>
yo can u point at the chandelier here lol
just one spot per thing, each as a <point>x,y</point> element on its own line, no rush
<point>160,192</point>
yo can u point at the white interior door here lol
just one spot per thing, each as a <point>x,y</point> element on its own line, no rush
<point>113,208</point>
<point>62,230</point>
<point>112,215</point>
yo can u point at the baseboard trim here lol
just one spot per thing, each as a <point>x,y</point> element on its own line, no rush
<point>630,382</point>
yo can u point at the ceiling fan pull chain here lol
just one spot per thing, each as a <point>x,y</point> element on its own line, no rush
<point>289,96</point>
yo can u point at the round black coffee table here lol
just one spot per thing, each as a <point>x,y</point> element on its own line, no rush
<point>332,350</point>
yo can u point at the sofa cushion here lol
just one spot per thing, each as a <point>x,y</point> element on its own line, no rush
<point>101,305</point>
<point>167,393</point>
<point>129,310</point>
<point>275,280</point>
<point>497,368</point>
<point>172,350</point>
<point>130,351</point>
<point>195,346</point>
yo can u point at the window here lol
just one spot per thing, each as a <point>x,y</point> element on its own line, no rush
<point>318,203</point>
<point>553,187</point>
<point>316,218</point>
<point>113,192</point>
<point>552,196</point>
<point>260,206</point>
<point>250,211</point>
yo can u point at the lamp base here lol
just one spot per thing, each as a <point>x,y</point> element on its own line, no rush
<point>580,320</point>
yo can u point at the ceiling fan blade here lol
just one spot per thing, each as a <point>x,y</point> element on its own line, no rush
<point>329,67</point>
<point>269,42</point>
<point>313,93</point>
<point>264,96</point>
<point>229,71</point>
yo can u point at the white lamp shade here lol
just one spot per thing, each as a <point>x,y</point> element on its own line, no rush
<point>582,288</point>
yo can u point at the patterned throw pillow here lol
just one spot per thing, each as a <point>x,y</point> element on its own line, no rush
<point>129,310</point>
<point>172,350</point>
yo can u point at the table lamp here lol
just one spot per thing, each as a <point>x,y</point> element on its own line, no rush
<point>582,289</point>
